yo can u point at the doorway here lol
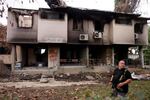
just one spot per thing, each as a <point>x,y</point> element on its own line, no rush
<point>35,56</point>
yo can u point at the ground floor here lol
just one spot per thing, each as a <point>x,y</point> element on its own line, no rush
<point>69,55</point>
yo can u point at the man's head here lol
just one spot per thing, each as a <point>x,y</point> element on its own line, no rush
<point>121,64</point>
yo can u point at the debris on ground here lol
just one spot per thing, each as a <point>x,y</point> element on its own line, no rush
<point>140,77</point>
<point>82,76</point>
<point>4,71</point>
<point>76,77</point>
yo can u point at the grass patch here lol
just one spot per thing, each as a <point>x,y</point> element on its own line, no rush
<point>138,90</point>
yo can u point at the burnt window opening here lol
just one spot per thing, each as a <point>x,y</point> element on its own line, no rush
<point>78,24</point>
<point>25,21</point>
<point>99,26</point>
<point>52,15</point>
<point>138,28</point>
<point>122,20</point>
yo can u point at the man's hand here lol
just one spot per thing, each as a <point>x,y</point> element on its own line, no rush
<point>123,83</point>
<point>120,85</point>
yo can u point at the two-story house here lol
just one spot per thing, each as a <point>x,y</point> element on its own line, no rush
<point>66,36</point>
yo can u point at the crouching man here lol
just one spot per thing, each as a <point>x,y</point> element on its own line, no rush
<point>120,80</point>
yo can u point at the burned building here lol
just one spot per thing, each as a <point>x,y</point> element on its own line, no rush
<point>66,36</point>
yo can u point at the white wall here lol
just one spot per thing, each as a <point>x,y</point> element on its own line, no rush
<point>52,31</point>
<point>123,34</point>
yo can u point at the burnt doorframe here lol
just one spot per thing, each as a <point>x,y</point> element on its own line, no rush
<point>97,55</point>
<point>25,53</point>
<point>71,55</point>
<point>120,53</point>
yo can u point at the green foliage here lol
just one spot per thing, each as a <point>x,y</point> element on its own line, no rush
<point>138,90</point>
<point>149,35</point>
<point>127,6</point>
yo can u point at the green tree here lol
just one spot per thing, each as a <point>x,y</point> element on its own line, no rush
<point>55,3</point>
<point>127,6</point>
<point>4,5</point>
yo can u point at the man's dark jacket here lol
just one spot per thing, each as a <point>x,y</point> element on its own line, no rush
<point>125,74</point>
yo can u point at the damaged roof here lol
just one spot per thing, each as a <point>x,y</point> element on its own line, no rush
<point>92,11</point>
<point>105,16</point>
<point>22,11</point>
<point>83,13</point>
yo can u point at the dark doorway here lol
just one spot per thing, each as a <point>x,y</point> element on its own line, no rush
<point>97,55</point>
<point>35,55</point>
<point>120,53</point>
<point>71,55</point>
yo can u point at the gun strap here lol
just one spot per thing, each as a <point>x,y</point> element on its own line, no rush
<point>122,75</point>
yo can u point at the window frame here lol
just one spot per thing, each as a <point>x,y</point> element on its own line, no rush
<point>138,28</point>
<point>123,20</point>
<point>22,26</point>
<point>77,24</point>
<point>100,24</point>
<point>47,15</point>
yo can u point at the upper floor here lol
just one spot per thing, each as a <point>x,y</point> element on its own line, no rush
<point>75,26</point>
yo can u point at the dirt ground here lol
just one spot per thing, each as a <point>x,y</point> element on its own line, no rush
<point>43,93</point>
<point>61,87</point>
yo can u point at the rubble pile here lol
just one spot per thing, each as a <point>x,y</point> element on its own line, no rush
<point>76,77</point>
<point>82,76</point>
<point>140,76</point>
<point>4,71</point>
<point>86,76</point>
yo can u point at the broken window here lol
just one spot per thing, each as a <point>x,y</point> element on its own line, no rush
<point>123,20</point>
<point>138,28</point>
<point>133,55</point>
<point>25,21</point>
<point>52,15</point>
<point>99,26</point>
<point>77,24</point>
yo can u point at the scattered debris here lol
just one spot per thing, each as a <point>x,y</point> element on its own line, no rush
<point>140,77</point>
<point>25,76</point>
<point>4,71</point>
<point>44,80</point>
<point>90,77</point>
<point>84,76</point>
